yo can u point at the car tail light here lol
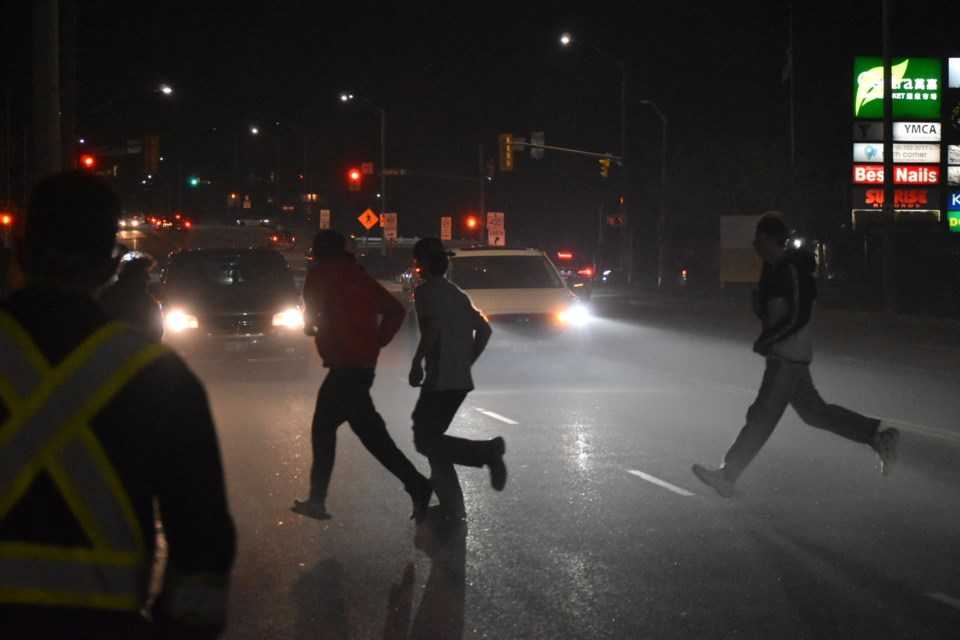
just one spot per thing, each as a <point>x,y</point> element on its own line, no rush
<point>586,271</point>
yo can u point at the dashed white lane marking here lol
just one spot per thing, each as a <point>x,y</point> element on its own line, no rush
<point>659,482</point>
<point>497,416</point>
<point>945,599</point>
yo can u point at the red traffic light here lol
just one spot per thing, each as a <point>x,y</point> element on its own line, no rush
<point>353,177</point>
<point>87,161</point>
<point>6,219</point>
<point>472,222</point>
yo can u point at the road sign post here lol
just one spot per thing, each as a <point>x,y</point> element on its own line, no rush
<point>324,218</point>
<point>446,228</point>
<point>496,232</point>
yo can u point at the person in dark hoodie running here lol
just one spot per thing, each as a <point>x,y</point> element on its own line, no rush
<point>784,303</point>
<point>342,303</point>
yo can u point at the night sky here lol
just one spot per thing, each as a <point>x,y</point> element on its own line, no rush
<point>453,75</point>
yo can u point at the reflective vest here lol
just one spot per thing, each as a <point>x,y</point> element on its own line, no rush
<point>48,430</point>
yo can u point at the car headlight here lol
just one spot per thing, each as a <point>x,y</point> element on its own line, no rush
<point>178,321</point>
<point>289,319</point>
<point>575,315</point>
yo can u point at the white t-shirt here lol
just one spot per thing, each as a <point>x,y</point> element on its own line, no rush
<point>448,363</point>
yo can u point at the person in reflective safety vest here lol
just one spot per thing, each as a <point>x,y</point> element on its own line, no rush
<point>104,435</point>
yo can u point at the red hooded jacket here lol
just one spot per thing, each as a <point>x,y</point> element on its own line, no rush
<point>344,302</point>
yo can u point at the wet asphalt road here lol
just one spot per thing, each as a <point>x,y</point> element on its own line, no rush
<point>602,531</point>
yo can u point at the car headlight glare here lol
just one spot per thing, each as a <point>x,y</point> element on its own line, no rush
<point>178,321</point>
<point>575,315</point>
<point>288,319</point>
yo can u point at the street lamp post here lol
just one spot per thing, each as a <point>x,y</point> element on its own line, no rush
<point>662,222</point>
<point>349,97</point>
<point>626,236</point>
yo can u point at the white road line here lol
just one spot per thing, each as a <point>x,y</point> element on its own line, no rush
<point>497,416</point>
<point>659,482</point>
<point>945,599</point>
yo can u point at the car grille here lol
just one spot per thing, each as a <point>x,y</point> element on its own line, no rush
<point>245,325</point>
<point>529,325</point>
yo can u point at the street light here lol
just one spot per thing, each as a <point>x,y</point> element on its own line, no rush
<point>347,97</point>
<point>662,222</point>
<point>626,238</point>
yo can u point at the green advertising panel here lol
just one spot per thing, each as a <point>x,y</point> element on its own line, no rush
<point>954,218</point>
<point>916,84</point>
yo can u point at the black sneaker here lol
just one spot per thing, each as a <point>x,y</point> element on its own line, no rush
<point>885,444</point>
<point>421,500</point>
<point>315,509</point>
<point>714,478</point>
<point>498,470</point>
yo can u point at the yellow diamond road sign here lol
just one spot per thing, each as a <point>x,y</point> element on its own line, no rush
<point>368,218</point>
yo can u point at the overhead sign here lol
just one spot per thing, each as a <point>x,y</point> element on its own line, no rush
<point>902,131</point>
<point>902,174</point>
<point>446,228</point>
<point>917,198</point>
<point>324,218</point>
<point>496,231</point>
<point>915,87</point>
<point>902,152</point>
<point>368,219</point>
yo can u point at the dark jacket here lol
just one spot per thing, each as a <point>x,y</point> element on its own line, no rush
<point>343,301</point>
<point>127,300</point>
<point>786,295</point>
<point>159,437</point>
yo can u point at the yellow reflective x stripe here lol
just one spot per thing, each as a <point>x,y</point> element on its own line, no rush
<point>76,461</point>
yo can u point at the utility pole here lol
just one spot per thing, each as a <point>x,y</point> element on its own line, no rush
<point>46,89</point>
<point>889,190</point>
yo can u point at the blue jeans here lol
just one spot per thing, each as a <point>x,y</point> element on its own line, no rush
<point>789,383</point>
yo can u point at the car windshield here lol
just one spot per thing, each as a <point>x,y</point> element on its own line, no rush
<point>250,273</point>
<point>503,272</point>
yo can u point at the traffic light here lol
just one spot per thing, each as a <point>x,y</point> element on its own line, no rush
<point>354,178</point>
<point>193,181</point>
<point>472,222</point>
<point>88,162</point>
<point>506,152</point>
<point>604,167</point>
<point>6,221</point>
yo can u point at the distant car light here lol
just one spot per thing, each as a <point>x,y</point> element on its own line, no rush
<point>289,319</point>
<point>564,255</point>
<point>178,321</point>
<point>586,272</point>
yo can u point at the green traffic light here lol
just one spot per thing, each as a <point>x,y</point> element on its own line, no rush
<point>194,181</point>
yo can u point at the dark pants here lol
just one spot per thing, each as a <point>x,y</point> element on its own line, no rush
<point>789,383</point>
<point>432,416</point>
<point>344,396</point>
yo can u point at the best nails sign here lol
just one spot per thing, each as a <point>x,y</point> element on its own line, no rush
<point>902,174</point>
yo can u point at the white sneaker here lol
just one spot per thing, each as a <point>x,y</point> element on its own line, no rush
<point>885,444</point>
<point>714,478</point>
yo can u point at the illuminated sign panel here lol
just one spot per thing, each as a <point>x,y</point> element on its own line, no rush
<point>953,154</point>
<point>916,131</point>
<point>953,202</point>
<point>902,174</point>
<point>915,86</point>
<point>953,176</point>
<point>902,152</point>
<point>917,198</point>
<point>953,73</point>
<point>902,131</point>
<point>954,218</point>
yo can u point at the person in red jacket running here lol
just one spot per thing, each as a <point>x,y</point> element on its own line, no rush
<point>342,303</point>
